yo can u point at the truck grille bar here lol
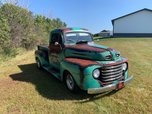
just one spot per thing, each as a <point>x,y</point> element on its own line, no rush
<point>111,73</point>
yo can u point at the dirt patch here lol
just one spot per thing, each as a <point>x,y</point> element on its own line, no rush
<point>7,82</point>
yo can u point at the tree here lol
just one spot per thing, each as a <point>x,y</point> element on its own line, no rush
<point>19,28</point>
<point>57,23</point>
<point>21,24</point>
<point>44,25</point>
<point>14,2</point>
<point>4,34</point>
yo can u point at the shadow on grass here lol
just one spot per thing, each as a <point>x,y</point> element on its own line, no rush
<point>50,87</point>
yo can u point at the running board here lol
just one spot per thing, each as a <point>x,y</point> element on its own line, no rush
<point>52,71</point>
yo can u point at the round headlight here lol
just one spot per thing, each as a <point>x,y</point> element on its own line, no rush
<point>124,66</point>
<point>96,73</point>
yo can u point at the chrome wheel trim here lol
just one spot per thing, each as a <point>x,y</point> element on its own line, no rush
<point>38,64</point>
<point>70,82</point>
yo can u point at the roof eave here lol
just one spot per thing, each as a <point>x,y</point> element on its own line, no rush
<point>130,14</point>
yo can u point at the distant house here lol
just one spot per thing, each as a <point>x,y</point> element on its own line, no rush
<point>104,33</point>
<point>136,24</point>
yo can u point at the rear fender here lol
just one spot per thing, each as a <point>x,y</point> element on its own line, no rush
<point>41,57</point>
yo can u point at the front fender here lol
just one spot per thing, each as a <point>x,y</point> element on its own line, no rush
<point>72,68</point>
<point>89,81</point>
<point>82,76</point>
<point>79,68</point>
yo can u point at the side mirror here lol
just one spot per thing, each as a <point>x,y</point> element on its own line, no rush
<point>55,48</point>
<point>56,44</point>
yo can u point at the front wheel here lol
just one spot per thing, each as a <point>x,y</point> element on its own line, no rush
<point>70,83</point>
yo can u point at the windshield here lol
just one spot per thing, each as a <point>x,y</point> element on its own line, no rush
<point>76,37</point>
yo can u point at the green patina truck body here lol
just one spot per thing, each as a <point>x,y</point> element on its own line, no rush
<point>73,57</point>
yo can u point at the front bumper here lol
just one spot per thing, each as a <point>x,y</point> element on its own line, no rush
<point>108,88</point>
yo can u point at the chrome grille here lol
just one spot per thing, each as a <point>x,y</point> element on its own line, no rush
<point>111,73</point>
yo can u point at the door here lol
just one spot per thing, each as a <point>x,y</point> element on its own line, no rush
<point>55,49</point>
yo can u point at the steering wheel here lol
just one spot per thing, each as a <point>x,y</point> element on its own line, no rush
<point>70,40</point>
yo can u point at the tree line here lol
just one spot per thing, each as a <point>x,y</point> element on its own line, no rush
<point>20,28</point>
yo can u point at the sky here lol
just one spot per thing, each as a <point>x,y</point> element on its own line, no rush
<point>95,15</point>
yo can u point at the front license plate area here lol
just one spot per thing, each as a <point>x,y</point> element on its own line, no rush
<point>120,85</point>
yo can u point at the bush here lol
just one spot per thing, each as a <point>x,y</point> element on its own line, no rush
<point>10,52</point>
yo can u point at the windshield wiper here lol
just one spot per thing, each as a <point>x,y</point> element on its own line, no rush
<point>82,42</point>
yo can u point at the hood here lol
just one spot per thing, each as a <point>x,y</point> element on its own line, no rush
<point>91,52</point>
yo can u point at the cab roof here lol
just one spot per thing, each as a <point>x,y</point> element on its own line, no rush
<point>65,30</point>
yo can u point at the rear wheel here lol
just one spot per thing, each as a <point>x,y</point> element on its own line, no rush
<point>39,65</point>
<point>70,83</point>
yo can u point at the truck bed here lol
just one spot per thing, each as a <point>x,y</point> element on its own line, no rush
<point>43,47</point>
<point>43,50</point>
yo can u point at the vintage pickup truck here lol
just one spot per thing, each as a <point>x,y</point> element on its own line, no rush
<point>73,57</point>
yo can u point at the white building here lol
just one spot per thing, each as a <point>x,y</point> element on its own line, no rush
<point>136,24</point>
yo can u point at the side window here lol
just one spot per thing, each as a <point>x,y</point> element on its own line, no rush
<point>56,37</point>
<point>59,39</point>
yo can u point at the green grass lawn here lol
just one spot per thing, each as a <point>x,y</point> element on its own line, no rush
<point>25,89</point>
